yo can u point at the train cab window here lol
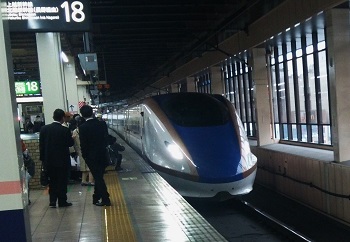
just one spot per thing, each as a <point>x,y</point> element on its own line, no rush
<point>194,110</point>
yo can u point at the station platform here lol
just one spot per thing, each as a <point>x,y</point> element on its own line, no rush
<point>144,208</point>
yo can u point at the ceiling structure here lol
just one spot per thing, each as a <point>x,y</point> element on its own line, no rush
<point>137,41</point>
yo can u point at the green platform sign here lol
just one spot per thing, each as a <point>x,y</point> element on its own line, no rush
<point>28,88</point>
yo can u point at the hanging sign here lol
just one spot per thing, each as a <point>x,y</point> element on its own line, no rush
<point>28,88</point>
<point>48,15</point>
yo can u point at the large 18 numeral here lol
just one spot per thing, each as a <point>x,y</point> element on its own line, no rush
<point>77,11</point>
<point>32,86</point>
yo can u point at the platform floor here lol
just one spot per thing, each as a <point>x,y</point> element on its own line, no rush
<point>144,208</point>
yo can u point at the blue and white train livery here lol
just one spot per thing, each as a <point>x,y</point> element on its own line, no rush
<point>195,141</point>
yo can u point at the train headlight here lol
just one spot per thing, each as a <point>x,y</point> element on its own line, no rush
<point>174,150</point>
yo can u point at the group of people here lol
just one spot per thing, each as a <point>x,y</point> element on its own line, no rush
<point>29,127</point>
<point>89,139</point>
<point>72,122</point>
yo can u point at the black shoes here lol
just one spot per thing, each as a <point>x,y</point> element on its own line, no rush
<point>100,204</point>
<point>65,205</point>
<point>96,201</point>
<point>52,205</point>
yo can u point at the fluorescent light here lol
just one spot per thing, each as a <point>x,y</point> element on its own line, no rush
<point>64,57</point>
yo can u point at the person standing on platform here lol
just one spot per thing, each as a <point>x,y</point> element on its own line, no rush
<point>54,143</point>
<point>29,165</point>
<point>86,177</point>
<point>73,123</point>
<point>38,123</point>
<point>93,136</point>
<point>73,154</point>
<point>67,118</point>
<point>28,126</point>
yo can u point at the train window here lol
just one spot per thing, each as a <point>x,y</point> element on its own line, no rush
<point>194,109</point>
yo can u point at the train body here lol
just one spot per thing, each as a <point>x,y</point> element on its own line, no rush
<point>196,142</point>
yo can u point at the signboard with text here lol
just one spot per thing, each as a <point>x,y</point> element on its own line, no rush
<point>48,15</point>
<point>28,88</point>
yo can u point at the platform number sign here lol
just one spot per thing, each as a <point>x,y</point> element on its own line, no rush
<point>27,88</point>
<point>74,11</point>
<point>48,15</point>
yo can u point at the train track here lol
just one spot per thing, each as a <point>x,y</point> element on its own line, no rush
<point>286,230</point>
<point>239,220</point>
<point>264,215</point>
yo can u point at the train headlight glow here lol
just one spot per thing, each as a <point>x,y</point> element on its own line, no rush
<point>174,150</point>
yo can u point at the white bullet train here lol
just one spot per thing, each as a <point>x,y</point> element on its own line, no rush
<point>195,141</point>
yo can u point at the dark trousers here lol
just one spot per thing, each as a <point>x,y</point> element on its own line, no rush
<point>100,186</point>
<point>58,184</point>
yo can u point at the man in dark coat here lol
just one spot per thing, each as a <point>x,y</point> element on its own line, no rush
<point>93,136</point>
<point>54,143</point>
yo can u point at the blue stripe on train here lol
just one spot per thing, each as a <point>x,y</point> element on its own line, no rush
<point>215,151</point>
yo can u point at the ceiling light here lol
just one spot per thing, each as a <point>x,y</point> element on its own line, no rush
<point>64,57</point>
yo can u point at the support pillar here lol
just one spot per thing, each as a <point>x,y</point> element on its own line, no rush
<point>338,43</point>
<point>217,86</point>
<point>51,73</point>
<point>174,88</point>
<point>71,85</point>
<point>14,220</point>
<point>191,84</point>
<point>262,98</point>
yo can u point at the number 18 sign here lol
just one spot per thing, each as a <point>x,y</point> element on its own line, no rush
<point>48,15</point>
<point>27,88</point>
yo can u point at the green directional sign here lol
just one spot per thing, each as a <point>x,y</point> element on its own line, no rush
<point>28,88</point>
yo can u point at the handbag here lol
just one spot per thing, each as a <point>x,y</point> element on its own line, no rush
<point>44,177</point>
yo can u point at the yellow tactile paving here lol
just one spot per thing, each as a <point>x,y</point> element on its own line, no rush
<point>117,223</point>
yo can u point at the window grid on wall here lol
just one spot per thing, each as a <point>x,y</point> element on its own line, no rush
<point>203,84</point>
<point>301,90</point>
<point>238,83</point>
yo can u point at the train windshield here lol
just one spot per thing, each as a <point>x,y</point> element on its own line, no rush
<point>193,109</point>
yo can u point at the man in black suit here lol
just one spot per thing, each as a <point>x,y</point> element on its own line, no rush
<point>54,143</point>
<point>93,142</point>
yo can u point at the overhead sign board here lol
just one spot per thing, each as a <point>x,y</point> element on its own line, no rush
<point>28,88</point>
<point>48,15</point>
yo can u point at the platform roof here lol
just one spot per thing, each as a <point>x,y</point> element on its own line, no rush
<point>138,42</point>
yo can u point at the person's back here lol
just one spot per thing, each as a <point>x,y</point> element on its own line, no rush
<point>54,143</point>
<point>93,135</point>
<point>55,146</point>
<point>93,142</point>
